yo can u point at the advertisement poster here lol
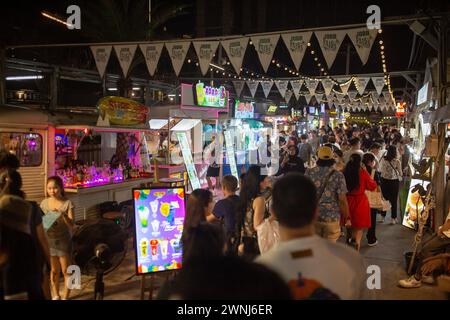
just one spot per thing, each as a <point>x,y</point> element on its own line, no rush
<point>244,110</point>
<point>230,154</point>
<point>188,161</point>
<point>159,217</point>
<point>414,205</point>
<point>205,96</point>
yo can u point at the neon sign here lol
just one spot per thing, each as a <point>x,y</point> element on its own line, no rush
<point>210,97</point>
<point>272,109</point>
<point>400,109</point>
<point>244,110</point>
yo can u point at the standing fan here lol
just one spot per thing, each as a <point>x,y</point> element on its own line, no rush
<point>99,248</point>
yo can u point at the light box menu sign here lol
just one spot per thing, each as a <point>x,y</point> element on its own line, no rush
<point>414,206</point>
<point>188,161</point>
<point>244,110</point>
<point>159,218</point>
<point>205,96</point>
<point>231,155</point>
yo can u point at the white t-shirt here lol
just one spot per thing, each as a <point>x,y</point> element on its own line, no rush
<point>318,262</point>
<point>348,154</point>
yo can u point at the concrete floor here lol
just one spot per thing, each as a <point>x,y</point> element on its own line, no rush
<point>393,240</point>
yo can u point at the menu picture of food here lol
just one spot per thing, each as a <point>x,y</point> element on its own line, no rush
<point>159,217</point>
<point>414,206</point>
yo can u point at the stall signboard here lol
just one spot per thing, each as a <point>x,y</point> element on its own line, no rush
<point>122,111</point>
<point>272,109</point>
<point>159,218</point>
<point>423,95</point>
<point>205,96</point>
<point>188,161</point>
<point>231,155</point>
<point>414,205</point>
<point>244,110</point>
<point>400,109</point>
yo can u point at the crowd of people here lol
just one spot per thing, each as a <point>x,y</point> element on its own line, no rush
<point>324,190</point>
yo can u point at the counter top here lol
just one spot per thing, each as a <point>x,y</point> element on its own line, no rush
<point>108,186</point>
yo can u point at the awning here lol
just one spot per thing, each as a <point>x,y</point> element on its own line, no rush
<point>158,124</point>
<point>186,124</point>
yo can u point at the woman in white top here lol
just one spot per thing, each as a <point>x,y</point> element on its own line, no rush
<point>391,174</point>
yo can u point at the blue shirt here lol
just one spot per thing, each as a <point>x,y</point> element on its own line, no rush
<point>329,210</point>
<point>227,209</point>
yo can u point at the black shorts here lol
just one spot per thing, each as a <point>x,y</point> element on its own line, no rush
<point>213,171</point>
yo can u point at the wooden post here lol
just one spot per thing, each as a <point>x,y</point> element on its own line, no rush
<point>54,84</point>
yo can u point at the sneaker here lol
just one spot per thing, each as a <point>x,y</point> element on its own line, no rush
<point>428,279</point>
<point>381,220</point>
<point>411,282</point>
<point>56,298</point>
<point>373,244</point>
<point>393,221</point>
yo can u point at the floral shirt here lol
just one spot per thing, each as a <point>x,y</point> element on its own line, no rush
<point>329,210</point>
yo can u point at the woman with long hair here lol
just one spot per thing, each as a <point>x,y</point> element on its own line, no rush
<point>358,181</point>
<point>391,174</point>
<point>254,198</point>
<point>369,162</point>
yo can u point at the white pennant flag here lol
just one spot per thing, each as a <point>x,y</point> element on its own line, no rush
<point>205,53</point>
<point>327,85</point>
<point>125,54</point>
<point>288,96</point>
<point>238,86</point>
<point>265,46</point>
<point>352,95</point>
<point>177,53</point>
<point>308,98</point>
<point>363,40</point>
<point>152,53</point>
<point>330,42</point>
<point>297,43</point>
<point>235,49</point>
<point>253,86</point>
<point>345,84</point>
<point>282,86</point>
<point>379,83</point>
<point>311,84</point>
<point>361,84</point>
<point>267,86</point>
<point>101,57</point>
<point>296,85</point>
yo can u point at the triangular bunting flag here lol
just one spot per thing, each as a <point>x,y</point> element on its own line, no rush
<point>152,53</point>
<point>311,84</point>
<point>267,86</point>
<point>296,85</point>
<point>361,84</point>
<point>344,84</point>
<point>297,43</point>
<point>235,49</point>
<point>265,47</point>
<point>363,40</point>
<point>330,42</point>
<point>101,57</point>
<point>379,83</point>
<point>252,86</point>
<point>308,98</point>
<point>177,52</point>
<point>288,96</point>
<point>238,86</point>
<point>352,95</point>
<point>327,86</point>
<point>282,86</point>
<point>205,53</point>
<point>125,54</point>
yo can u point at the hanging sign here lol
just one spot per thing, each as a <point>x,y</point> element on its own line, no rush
<point>235,49</point>
<point>152,53</point>
<point>205,53</point>
<point>177,52</point>
<point>244,110</point>
<point>205,96</point>
<point>101,57</point>
<point>188,161</point>
<point>265,47</point>
<point>231,157</point>
<point>363,40</point>
<point>125,55</point>
<point>297,43</point>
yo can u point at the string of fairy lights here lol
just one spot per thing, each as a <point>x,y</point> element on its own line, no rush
<point>248,74</point>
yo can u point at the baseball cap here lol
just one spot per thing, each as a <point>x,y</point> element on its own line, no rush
<point>325,153</point>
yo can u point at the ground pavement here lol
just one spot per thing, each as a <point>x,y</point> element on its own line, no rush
<point>394,240</point>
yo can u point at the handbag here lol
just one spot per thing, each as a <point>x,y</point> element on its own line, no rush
<point>375,197</point>
<point>399,177</point>
<point>268,235</point>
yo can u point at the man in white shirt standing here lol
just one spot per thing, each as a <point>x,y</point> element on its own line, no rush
<point>313,267</point>
<point>438,244</point>
<point>355,147</point>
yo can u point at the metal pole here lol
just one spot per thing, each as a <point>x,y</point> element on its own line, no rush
<point>2,75</point>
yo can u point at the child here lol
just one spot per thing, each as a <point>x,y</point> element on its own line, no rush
<point>227,211</point>
<point>59,234</point>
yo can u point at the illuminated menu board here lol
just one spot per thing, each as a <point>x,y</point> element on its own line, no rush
<point>244,110</point>
<point>231,155</point>
<point>206,96</point>
<point>159,218</point>
<point>188,161</point>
